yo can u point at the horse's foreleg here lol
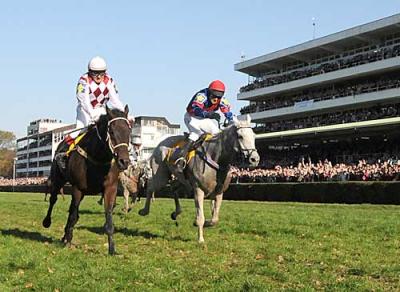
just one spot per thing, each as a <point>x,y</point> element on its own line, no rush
<point>198,201</point>
<point>216,205</point>
<point>73,216</point>
<point>109,200</point>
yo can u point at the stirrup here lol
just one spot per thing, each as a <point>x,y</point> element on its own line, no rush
<point>180,159</point>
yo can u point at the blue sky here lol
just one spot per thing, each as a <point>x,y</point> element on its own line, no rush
<point>159,52</point>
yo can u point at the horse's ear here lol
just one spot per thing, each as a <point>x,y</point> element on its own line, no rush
<point>235,120</point>
<point>126,110</point>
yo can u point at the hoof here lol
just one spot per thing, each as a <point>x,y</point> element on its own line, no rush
<point>143,212</point>
<point>46,223</point>
<point>210,223</point>
<point>126,211</point>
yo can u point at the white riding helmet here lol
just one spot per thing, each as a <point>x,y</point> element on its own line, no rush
<point>136,140</point>
<point>97,64</point>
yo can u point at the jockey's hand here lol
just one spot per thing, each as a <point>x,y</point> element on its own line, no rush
<point>215,116</point>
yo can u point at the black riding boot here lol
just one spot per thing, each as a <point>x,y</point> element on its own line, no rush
<point>61,159</point>
<point>61,156</point>
<point>180,160</point>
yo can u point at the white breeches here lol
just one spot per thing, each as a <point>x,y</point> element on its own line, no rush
<point>82,120</point>
<point>198,126</point>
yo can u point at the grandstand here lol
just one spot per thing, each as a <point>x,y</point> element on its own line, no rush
<point>335,97</point>
<point>36,150</point>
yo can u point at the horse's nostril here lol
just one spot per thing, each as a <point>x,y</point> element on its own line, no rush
<point>123,164</point>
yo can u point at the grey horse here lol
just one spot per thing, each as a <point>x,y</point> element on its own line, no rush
<point>207,174</point>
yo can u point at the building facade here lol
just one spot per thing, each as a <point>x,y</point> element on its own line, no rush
<point>152,131</point>
<point>335,92</point>
<point>35,151</point>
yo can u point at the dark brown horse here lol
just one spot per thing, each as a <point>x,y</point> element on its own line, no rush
<point>93,167</point>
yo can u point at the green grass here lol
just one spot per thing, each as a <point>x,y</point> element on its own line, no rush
<point>257,246</point>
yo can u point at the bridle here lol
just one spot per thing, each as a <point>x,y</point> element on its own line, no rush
<point>111,146</point>
<point>246,152</point>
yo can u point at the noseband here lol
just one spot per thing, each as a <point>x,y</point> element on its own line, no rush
<point>108,139</point>
<point>246,152</point>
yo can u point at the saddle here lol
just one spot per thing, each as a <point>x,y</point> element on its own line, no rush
<point>178,145</point>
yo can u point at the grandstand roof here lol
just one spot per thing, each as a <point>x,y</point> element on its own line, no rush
<point>380,125</point>
<point>333,43</point>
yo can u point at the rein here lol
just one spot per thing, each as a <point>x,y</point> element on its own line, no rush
<point>212,163</point>
<point>108,141</point>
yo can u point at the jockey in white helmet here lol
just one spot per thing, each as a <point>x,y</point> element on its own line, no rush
<point>95,89</point>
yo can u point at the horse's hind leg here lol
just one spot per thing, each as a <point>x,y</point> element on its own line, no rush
<point>53,187</point>
<point>73,216</point>
<point>216,205</point>
<point>47,220</point>
<point>198,201</point>
<point>178,209</point>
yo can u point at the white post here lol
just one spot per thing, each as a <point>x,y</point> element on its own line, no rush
<point>13,183</point>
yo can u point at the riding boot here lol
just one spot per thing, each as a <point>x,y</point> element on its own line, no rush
<point>180,161</point>
<point>61,155</point>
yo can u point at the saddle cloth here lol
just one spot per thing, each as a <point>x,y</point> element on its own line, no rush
<point>75,143</point>
<point>178,145</point>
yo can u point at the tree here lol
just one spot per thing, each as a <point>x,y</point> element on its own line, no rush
<point>7,140</point>
<point>6,162</point>
<point>7,153</point>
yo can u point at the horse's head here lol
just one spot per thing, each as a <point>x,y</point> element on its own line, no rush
<point>118,135</point>
<point>245,141</point>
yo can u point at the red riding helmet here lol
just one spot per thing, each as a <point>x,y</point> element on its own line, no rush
<point>217,88</point>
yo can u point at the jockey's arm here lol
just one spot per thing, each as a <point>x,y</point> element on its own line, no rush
<point>198,106</point>
<point>82,94</point>
<point>114,100</point>
<point>225,108</point>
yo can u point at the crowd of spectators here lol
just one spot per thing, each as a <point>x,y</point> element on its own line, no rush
<point>374,55</point>
<point>387,170</point>
<point>341,117</point>
<point>304,171</point>
<point>23,181</point>
<point>320,94</point>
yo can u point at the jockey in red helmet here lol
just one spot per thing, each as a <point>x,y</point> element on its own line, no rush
<point>201,114</point>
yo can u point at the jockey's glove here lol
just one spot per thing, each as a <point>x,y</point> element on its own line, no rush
<point>215,116</point>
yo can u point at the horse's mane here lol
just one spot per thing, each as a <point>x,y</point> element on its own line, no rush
<point>114,112</point>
